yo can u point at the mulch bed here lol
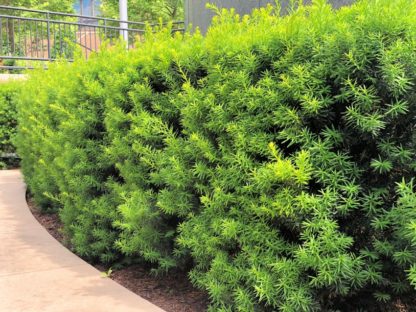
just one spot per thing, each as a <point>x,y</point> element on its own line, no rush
<point>50,222</point>
<point>171,293</point>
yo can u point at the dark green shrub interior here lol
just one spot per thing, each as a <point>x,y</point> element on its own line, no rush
<point>8,123</point>
<point>273,159</point>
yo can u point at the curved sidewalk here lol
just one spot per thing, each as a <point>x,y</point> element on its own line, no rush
<point>38,274</point>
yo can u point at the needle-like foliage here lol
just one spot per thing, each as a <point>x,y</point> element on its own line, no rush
<point>274,159</point>
<point>8,123</point>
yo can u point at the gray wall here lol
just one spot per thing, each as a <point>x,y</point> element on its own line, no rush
<point>198,15</point>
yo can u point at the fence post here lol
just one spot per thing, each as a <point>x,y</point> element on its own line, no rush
<point>10,30</point>
<point>123,21</point>
<point>49,36</point>
<point>187,14</point>
<point>1,35</point>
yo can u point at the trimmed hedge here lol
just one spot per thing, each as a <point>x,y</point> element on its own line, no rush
<point>8,123</point>
<point>274,159</point>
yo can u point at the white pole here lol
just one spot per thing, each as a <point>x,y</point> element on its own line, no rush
<point>123,19</point>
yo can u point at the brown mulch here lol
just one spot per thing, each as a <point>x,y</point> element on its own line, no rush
<point>50,222</point>
<point>171,293</point>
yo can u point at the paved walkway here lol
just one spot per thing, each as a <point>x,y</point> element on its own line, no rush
<point>9,77</point>
<point>38,274</point>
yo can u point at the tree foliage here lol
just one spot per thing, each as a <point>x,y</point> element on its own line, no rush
<point>274,159</point>
<point>49,5</point>
<point>147,10</point>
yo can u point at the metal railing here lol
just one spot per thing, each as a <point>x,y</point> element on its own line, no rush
<point>35,35</point>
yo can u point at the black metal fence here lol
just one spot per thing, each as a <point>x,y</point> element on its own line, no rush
<point>35,35</point>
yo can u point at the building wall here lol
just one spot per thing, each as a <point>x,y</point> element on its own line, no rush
<point>198,15</point>
<point>87,7</point>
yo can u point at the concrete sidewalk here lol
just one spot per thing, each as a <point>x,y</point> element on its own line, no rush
<point>10,77</point>
<point>38,274</point>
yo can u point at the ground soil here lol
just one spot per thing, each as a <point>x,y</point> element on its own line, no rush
<point>171,293</point>
<point>50,222</point>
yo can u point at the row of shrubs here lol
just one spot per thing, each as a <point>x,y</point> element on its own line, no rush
<point>273,159</point>
<point>8,124</point>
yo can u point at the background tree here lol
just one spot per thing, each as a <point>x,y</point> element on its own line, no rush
<point>50,5</point>
<point>146,10</point>
<point>65,6</point>
<point>149,10</point>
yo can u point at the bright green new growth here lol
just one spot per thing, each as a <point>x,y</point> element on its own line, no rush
<point>273,158</point>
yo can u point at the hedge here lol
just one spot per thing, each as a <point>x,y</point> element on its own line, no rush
<point>8,123</point>
<point>274,159</point>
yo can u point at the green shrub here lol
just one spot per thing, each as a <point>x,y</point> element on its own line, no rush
<point>274,158</point>
<point>8,123</point>
<point>67,169</point>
